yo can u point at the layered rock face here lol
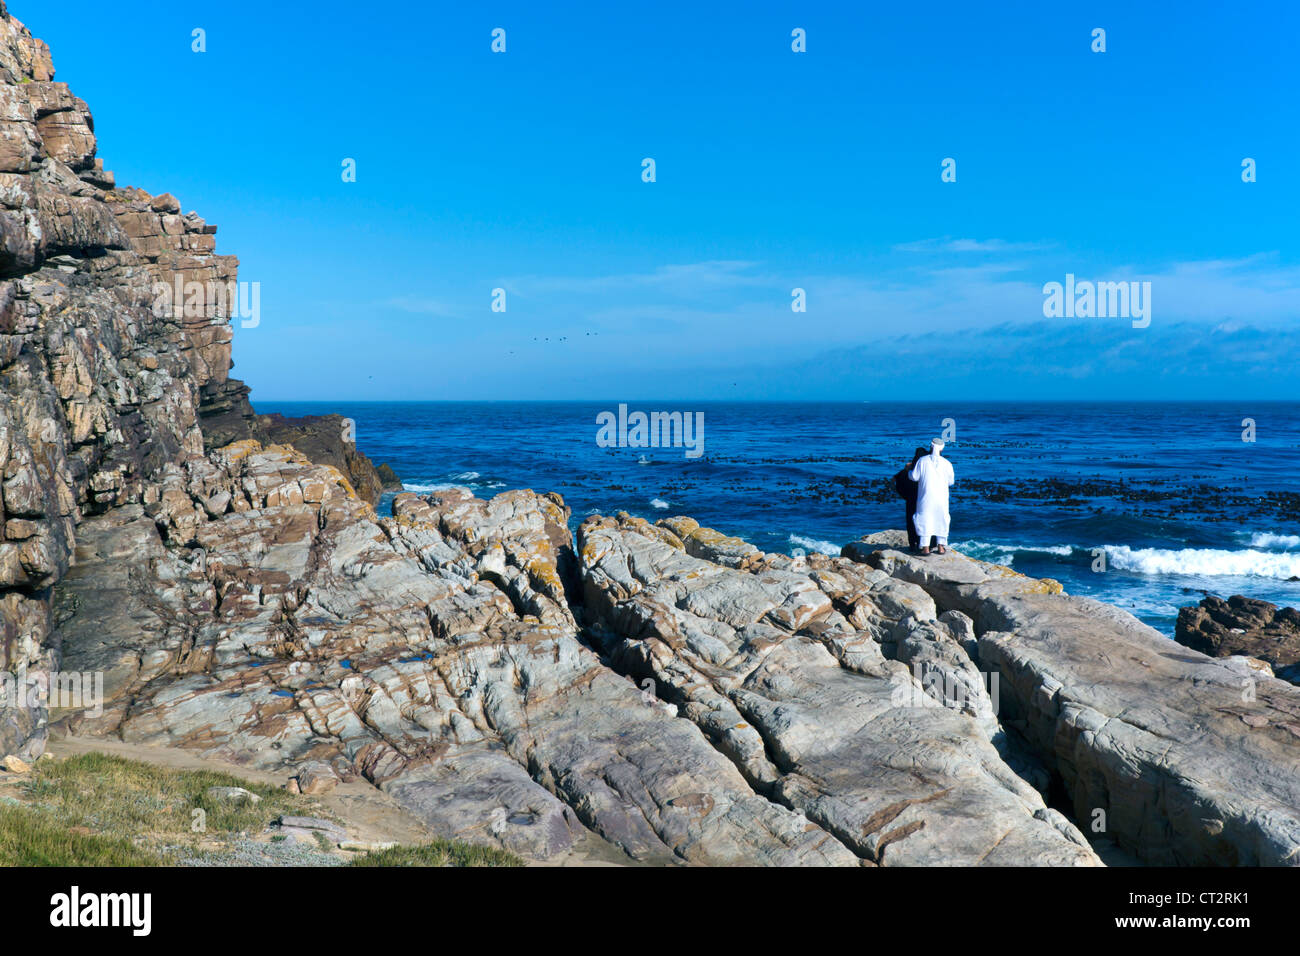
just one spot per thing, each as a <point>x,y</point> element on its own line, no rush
<point>267,617</point>
<point>100,389</point>
<point>108,375</point>
<point>1182,758</point>
<point>1244,626</point>
<point>801,676</point>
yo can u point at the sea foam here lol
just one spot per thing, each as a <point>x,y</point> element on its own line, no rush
<point>812,544</point>
<point>1005,553</point>
<point>1270,540</point>
<point>1208,562</point>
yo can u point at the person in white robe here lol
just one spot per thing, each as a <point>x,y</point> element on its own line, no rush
<point>933,475</point>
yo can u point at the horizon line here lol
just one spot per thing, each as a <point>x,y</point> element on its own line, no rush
<point>774,401</point>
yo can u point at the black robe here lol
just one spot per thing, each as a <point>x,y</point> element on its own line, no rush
<point>907,490</point>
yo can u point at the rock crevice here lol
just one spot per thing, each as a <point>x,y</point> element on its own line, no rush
<point>1181,758</point>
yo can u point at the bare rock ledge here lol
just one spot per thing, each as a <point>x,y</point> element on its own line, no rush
<point>1183,758</point>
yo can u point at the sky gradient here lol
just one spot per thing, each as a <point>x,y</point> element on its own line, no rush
<point>775,170</point>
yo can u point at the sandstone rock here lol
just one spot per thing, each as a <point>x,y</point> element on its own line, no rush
<point>63,121</point>
<point>434,651</point>
<point>316,777</point>
<point>322,438</point>
<point>166,203</point>
<point>15,765</point>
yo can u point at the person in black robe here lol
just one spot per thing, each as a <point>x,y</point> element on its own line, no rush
<point>907,490</point>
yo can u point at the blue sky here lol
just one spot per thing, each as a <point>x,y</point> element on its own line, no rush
<point>775,170</point>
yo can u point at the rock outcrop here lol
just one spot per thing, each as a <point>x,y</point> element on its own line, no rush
<point>100,387</point>
<point>108,372</point>
<point>267,617</point>
<point>819,683</point>
<point>325,439</point>
<point>1183,759</point>
<point>1246,627</point>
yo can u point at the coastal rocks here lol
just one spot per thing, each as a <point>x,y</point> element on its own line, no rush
<point>1242,625</point>
<point>663,692</point>
<point>324,440</point>
<point>96,396</point>
<point>115,354</point>
<point>22,56</point>
<point>267,616</point>
<point>782,667</point>
<point>1181,758</point>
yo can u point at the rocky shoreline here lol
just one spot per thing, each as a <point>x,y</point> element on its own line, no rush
<point>1242,626</point>
<point>658,693</point>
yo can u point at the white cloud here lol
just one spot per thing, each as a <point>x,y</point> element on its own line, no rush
<point>948,244</point>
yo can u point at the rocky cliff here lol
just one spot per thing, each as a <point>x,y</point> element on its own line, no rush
<point>659,693</point>
<point>105,383</point>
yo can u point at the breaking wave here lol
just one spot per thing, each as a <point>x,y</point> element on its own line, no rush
<point>424,489</point>
<point>1270,540</point>
<point>469,480</point>
<point>1207,562</point>
<point>812,544</point>
<point>1006,553</point>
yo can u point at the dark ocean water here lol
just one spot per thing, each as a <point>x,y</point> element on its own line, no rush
<point>1177,501</point>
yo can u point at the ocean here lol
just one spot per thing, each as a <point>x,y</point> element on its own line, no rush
<point>1147,506</point>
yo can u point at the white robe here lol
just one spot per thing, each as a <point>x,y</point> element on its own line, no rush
<point>933,474</point>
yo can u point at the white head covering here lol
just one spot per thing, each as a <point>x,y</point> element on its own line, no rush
<point>936,445</point>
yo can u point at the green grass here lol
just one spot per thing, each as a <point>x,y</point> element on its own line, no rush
<point>438,853</point>
<point>101,810</point>
<point>113,794</point>
<point>31,837</point>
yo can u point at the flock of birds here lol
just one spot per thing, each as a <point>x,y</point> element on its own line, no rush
<point>560,338</point>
